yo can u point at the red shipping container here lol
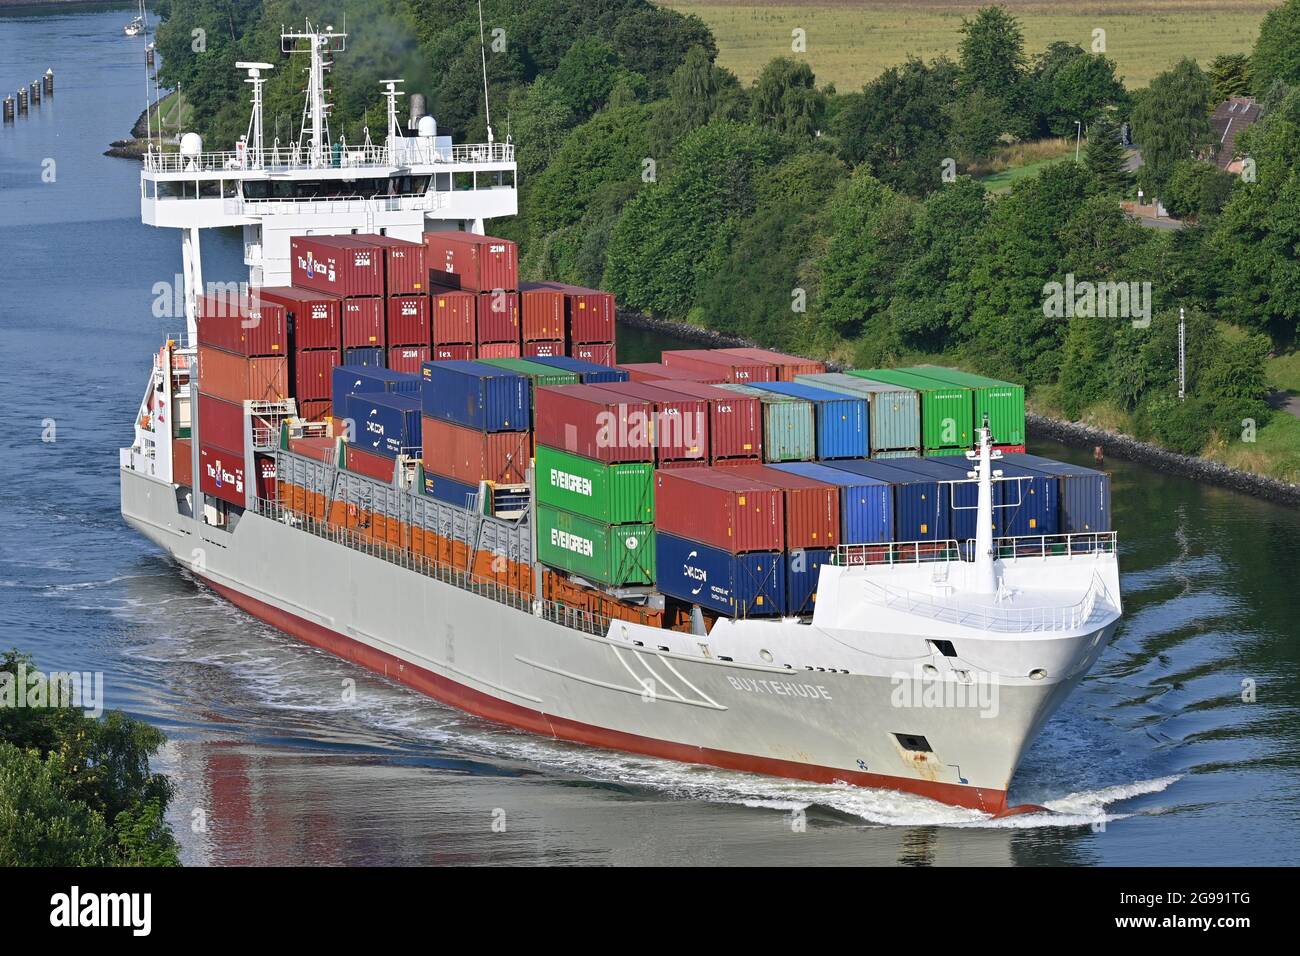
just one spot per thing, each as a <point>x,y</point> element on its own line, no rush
<point>447,353</point>
<point>182,462</point>
<point>602,353</point>
<point>363,323</point>
<point>408,358</point>
<point>454,316</point>
<point>342,265</point>
<point>316,448</point>
<point>253,327</point>
<point>221,474</point>
<point>314,316</point>
<point>497,350</point>
<point>787,366</point>
<point>720,508</point>
<point>498,317</point>
<point>812,508</point>
<point>237,377</point>
<point>408,320</point>
<point>697,463</point>
<point>681,423</point>
<point>221,423</point>
<point>589,421</point>
<point>735,421</point>
<point>362,461</point>
<point>405,271</point>
<point>543,349</point>
<point>541,310</point>
<point>265,471</point>
<point>471,456</point>
<point>658,372</point>
<point>313,372</point>
<point>590,313</point>
<point>463,260</point>
<point>315,409</point>
<point>736,369</point>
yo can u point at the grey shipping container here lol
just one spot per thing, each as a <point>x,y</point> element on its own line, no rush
<point>895,412</point>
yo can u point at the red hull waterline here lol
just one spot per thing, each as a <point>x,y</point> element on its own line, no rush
<point>490,708</point>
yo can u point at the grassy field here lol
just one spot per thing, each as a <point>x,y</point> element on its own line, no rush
<point>850,42</point>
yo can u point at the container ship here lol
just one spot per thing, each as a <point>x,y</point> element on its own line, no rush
<point>388,446</point>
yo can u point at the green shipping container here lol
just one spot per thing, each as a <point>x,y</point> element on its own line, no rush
<point>609,554</point>
<point>947,411</point>
<point>540,374</point>
<point>610,494</point>
<point>895,412</point>
<point>1003,402</point>
<point>789,425</point>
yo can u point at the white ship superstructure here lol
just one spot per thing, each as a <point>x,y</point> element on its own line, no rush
<point>926,667</point>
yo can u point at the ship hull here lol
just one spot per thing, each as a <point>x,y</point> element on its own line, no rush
<point>505,664</point>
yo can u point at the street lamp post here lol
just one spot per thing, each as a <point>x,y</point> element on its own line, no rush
<point>1078,138</point>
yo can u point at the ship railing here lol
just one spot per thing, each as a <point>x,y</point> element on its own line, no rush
<point>991,617</point>
<point>292,159</point>
<point>553,611</point>
<point>1030,546</point>
<point>236,206</point>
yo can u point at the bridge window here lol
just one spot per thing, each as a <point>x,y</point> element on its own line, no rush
<point>209,188</point>
<point>442,182</point>
<point>462,181</point>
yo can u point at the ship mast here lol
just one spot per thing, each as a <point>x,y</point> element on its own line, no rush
<point>315,108</point>
<point>986,581</point>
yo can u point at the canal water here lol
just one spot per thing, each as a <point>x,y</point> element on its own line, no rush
<point>1156,759</point>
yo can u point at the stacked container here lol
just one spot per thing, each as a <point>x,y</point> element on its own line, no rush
<point>922,507</point>
<point>577,317</point>
<point>453,322</point>
<point>841,420</point>
<point>475,424</point>
<point>947,411</point>
<point>720,541</point>
<point>541,310</point>
<point>385,423</point>
<point>1002,402</point>
<point>735,421</point>
<point>894,413</point>
<point>788,367</point>
<point>593,482</point>
<point>658,372</point>
<point>734,368</point>
<point>679,426</point>
<point>1083,493</point>
<point>487,269</point>
<point>789,424</point>
<point>351,267</point>
<point>314,317</point>
<point>589,373</point>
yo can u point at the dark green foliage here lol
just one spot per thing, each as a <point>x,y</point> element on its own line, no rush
<point>786,98</point>
<point>1171,122</point>
<point>1104,158</point>
<point>992,51</point>
<point>76,791</point>
<point>975,122</point>
<point>1080,87</point>
<point>1196,189</point>
<point>899,126</point>
<point>1230,75</point>
<point>677,229</point>
<point>1277,49</point>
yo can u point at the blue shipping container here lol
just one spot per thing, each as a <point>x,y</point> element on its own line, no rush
<point>1084,493</point>
<point>803,568</point>
<point>921,511</point>
<point>841,419</point>
<point>451,491</point>
<point>385,423</point>
<point>348,379</point>
<point>589,373</point>
<point>737,585</point>
<point>370,358</point>
<point>1024,503</point>
<point>866,504</point>
<point>476,396</point>
<point>961,500</point>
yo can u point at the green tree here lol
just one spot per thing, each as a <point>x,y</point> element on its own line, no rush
<point>899,126</point>
<point>1171,122</point>
<point>586,75</point>
<point>1196,189</point>
<point>992,51</point>
<point>1105,159</point>
<point>540,118</point>
<point>1081,88</point>
<point>1277,48</point>
<point>698,93</point>
<point>1229,76</point>
<point>786,98</point>
<point>975,122</point>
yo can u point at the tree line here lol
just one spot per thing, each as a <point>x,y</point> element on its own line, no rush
<point>847,224</point>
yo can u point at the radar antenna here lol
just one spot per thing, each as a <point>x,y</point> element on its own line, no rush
<point>315,109</point>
